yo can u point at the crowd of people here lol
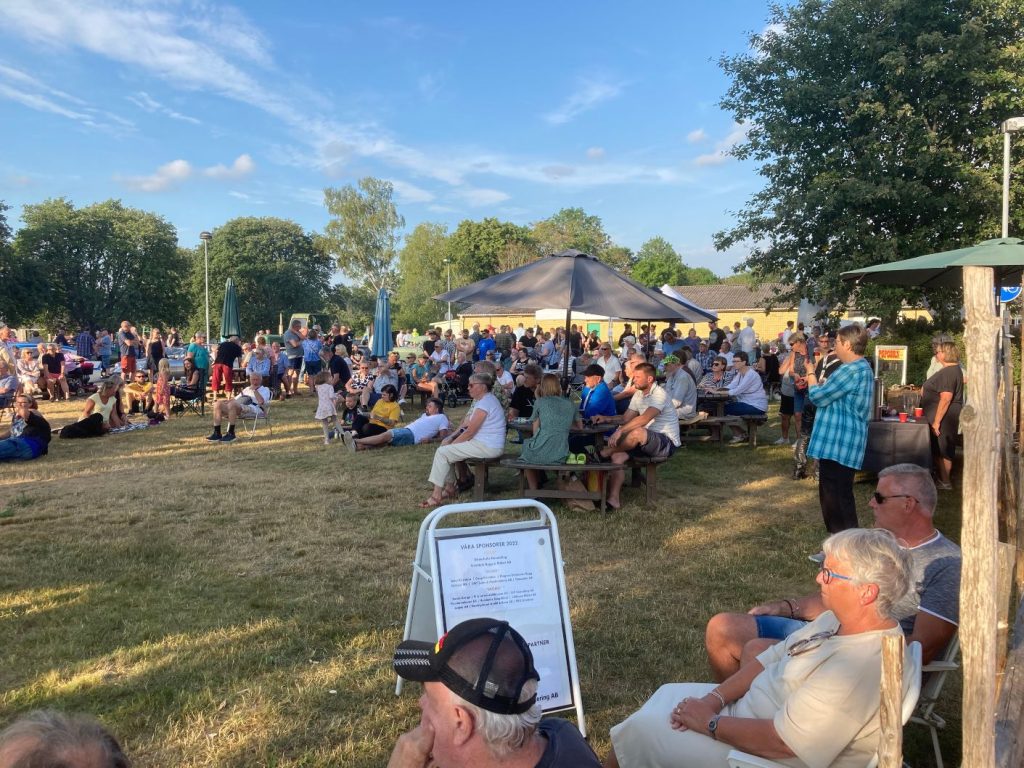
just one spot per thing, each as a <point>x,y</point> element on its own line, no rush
<point>774,666</point>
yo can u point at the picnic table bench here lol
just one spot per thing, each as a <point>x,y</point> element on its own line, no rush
<point>601,495</point>
<point>716,428</point>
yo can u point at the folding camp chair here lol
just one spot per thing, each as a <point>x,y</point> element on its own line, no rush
<point>196,406</point>
<point>250,422</point>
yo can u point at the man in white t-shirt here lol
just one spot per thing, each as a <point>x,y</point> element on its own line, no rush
<point>428,427</point>
<point>607,360</point>
<point>252,402</point>
<point>649,428</point>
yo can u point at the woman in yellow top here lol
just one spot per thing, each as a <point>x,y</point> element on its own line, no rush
<point>385,414</point>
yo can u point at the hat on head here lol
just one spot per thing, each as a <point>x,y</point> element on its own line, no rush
<point>942,338</point>
<point>483,661</point>
<point>671,359</point>
<point>593,370</point>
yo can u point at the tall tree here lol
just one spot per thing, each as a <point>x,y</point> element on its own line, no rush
<point>476,248</point>
<point>572,228</point>
<point>277,268</point>
<point>104,263</point>
<point>875,123</point>
<point>363,232</point>
<point>23,289</point>
<point>657,263</point>
<point>422,275</point>
<point>699,276</point>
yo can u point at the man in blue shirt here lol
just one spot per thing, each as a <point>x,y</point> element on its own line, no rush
<point>485,345</point>
<point>840,434</point>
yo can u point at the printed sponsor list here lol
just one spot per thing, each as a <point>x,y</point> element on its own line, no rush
<point>497,574</point>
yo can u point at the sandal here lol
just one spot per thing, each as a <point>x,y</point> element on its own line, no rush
<point>431,503</point>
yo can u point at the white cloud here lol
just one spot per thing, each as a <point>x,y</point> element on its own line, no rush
<point>587,96</point>
<point>595,153</point>
<point>720,154</point>
<point>480,197</point>
<point>246,197</point>
<point>163,40</point>
<point>242,166</point>
<point>31,92</point>
<point>146,102</point>
<point>410,193</point>
<point>165,177</point>
<point>696,136</point>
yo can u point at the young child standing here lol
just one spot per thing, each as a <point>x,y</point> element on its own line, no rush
<point>326,408</point>
<point>162,388</point>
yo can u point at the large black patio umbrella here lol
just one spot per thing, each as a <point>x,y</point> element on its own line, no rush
<point>230,323</point>
<point>576,281</point>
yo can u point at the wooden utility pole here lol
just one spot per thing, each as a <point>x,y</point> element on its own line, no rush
<point>982,437</point>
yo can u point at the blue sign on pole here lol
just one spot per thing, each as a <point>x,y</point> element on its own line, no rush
<point>1009,294</point>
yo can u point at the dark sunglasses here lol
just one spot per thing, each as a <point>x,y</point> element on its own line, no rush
<point>880,499</point>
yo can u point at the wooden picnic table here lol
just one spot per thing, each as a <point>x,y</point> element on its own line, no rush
<point>713,401</point>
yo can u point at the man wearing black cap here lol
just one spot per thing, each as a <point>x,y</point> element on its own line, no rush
<point>479,705</point>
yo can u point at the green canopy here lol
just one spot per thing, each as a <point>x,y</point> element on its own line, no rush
<point>943,270</point>
<point>230,323</point>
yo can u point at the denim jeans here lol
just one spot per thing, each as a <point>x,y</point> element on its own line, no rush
<point>15,449</point>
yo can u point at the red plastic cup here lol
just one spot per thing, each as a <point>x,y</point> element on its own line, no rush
<point>903,417</point>
<point>918,413</point>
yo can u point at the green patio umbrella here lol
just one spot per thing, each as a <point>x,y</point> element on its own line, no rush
<point>943,270</point>
<point>230,323</point>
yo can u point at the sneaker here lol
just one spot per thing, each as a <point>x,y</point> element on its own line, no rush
<point>782,441</point>
<point>817,557</point>
<point>401,401</point>
<point>215,437</point>
<point>327,441</point>
<point>737,439</point>
<point>228,438</point>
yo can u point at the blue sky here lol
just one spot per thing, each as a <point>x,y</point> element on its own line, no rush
<point>202,111</point>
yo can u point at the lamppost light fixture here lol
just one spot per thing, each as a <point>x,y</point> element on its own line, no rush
<point>205,236</point>
<point>1013,124</point>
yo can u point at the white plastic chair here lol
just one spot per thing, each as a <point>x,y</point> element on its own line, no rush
<point>925,713</point>
<point>912,659</point>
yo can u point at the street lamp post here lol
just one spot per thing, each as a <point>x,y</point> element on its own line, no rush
<point>206,237</point>
<point>1012,125</point>
<point>448,264</point>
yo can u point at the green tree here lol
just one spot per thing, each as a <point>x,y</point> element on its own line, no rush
<point>657,263</point>
<point>477,248</point>
<point>23,291</point>
<point>619,257</point>
<point>276,266</point>
<point>104,263</point>
<point>572,228</point>
<point>422,275</point>
<point>699,276</point>
<point>363,232</point>
<point>353,305</point>
<point>875,123</point>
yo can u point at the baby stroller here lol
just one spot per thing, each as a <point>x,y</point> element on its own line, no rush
<point>454,389</point>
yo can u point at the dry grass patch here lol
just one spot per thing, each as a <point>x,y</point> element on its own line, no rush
<point>237,605</point>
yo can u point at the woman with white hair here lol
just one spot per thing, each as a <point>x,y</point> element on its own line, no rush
<point>810,700</point>
<point>480,435</point>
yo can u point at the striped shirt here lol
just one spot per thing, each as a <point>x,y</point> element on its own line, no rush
<point>844,408</point>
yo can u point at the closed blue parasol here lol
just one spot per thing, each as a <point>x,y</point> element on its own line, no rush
<point>382,343</point>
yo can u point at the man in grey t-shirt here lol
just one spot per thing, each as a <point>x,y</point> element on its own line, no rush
<point>649,428</point>
<point>292,343</point>
<point>903,504</point>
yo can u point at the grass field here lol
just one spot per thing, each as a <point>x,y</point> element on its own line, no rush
<point>237,605</point>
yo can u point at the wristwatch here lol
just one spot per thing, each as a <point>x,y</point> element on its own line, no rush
<point>713,727</point>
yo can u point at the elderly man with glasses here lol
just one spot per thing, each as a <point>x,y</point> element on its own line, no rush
<point>29,434</point>
<point>904,505</point>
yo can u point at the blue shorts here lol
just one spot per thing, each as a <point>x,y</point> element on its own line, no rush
<point>312,367</point>
<point>402,436</point>
<point>742,409</point>
<point>798,400</point>
<point>777,627</point>
<point>295,363</point>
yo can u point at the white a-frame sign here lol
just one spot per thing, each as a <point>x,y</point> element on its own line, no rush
<point>510,571</point>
